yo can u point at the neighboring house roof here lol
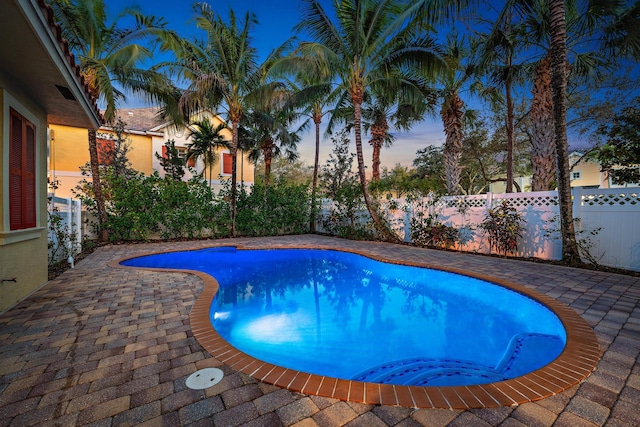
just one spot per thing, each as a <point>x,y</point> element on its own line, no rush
<point>36,59</point>
<point>145,120</point>
<point>140,119</point>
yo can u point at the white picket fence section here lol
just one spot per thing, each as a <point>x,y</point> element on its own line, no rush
<point>609,219</point>
<point>70,210</point>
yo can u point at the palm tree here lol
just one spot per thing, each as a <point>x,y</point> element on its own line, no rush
<point>221,71</point>
<point>269,129</point>
<point>108,53</point>
<point>206,140</point>
<point>558,59</point>
<point>498,54</point>
<point>384,112</point>
<point>452,110</point>
<point>368,45</point>
<point>312,97</point>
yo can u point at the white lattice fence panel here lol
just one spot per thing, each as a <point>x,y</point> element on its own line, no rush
<point>464,202</point>
<point>610,198</point>
<point>541,199</point>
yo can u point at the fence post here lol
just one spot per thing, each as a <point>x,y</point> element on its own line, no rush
<point>407,222</point>
<point>489,199</point>
<point>79,224</point>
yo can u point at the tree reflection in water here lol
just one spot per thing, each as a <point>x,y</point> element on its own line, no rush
<point>348,316</point>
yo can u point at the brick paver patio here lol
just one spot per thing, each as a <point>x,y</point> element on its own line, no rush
<point>108,346</point>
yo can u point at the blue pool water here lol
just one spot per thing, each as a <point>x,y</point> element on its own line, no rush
<point>347,316</point>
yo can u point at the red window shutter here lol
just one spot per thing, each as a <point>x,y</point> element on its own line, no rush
<point>226,163</point>
<point>191,162</point>
<point>106,151</point>
<point>164,152</point>
<point>29,199</point>
<point>22,173</point>
<point>15,172</point>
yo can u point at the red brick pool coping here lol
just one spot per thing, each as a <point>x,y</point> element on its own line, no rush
<point>578,359</point>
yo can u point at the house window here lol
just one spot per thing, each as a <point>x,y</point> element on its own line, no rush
<point>22,172</point>
<point>106,151</point>
<point>576,175</point>
<point>182,154</point>
<point>226,163</point>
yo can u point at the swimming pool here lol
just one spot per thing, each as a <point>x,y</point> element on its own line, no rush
<point>443,329</point>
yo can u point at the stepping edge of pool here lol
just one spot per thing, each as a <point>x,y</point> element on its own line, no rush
<point>578,359</point>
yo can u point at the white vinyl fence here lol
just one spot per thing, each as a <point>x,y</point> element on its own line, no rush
<point>65,237</point>
<point>607,220</point>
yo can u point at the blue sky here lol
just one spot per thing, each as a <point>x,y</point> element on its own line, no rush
<point>276,19</point>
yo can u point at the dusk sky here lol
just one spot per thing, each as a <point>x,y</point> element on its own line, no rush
<point>276,19</point>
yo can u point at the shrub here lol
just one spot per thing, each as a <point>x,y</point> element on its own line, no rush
<point>430,232</point>
<point>503,225</point>
<point>281,208</point>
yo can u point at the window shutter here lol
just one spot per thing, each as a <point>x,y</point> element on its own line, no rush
<point>226,163</point>
<point>29,199</point>
<point>15,172</point>
<point>191,162</point>
<point>22,173</point>
<point>106,150</point>
<point>164,152</point>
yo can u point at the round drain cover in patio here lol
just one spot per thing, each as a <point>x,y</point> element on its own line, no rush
<point>204,378</point>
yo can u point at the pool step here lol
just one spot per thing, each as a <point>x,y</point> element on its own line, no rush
<point>521,356</point>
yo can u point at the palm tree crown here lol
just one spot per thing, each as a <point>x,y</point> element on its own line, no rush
<point>206,139</point>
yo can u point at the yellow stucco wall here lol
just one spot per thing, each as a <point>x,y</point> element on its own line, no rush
<point>589,174</point>
<point>70,151</point>
<point>23,253</point>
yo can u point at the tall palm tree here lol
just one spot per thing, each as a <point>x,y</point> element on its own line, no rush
<point>498,58</point>
<point>206,139</point>
<point>108,53</point>
<point>459,69</point>
<point>558,59</point>
<point>221,71</point>
<point>312,97</point>
<point>316,98</point>
<point>367,46</point>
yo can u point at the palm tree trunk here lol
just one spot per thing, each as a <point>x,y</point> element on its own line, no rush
<point>379,225</point>
<point>451,114</point>
<point>234,180</point>
<point>267,166</point>
<point>379,132</point>
<point>375,164</point>
<point>558,56</point>
<point>210,165</point>
<point>314,186</point>
<point>510,136</point>
<point>543,159</point>
<point>103,233</point>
